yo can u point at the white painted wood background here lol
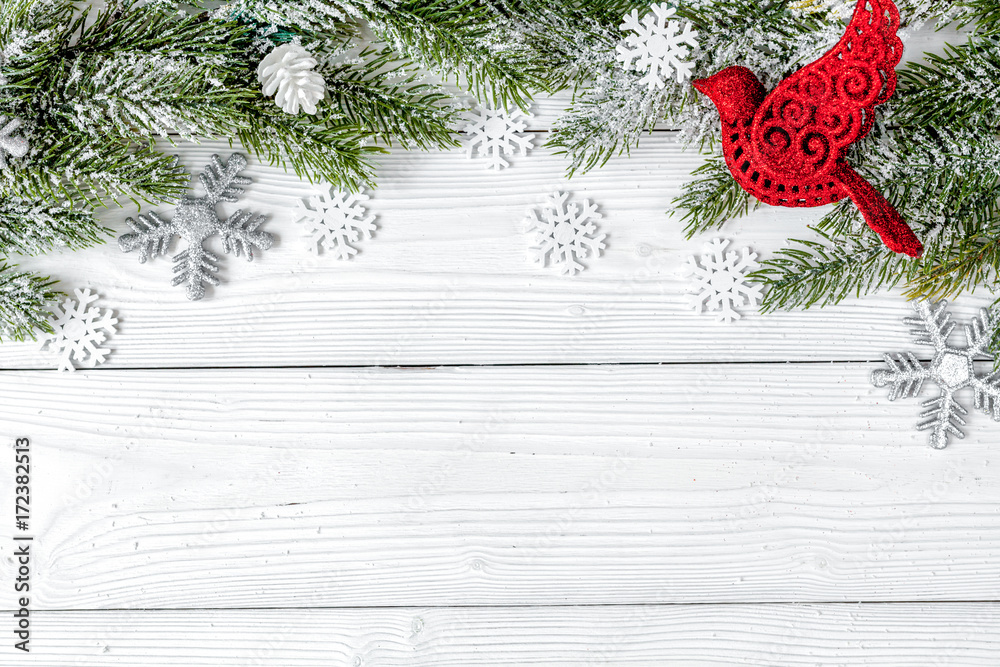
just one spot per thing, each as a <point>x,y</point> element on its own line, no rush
<point>440,454</point>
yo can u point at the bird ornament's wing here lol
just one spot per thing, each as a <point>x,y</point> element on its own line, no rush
<point>804,125</point>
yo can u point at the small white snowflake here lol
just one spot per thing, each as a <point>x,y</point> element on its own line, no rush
<point>564,233</point>
<point>78,329</point>
<point>493,133</point>
<point>336,219</point>
<point>952,369</point>
<point>658,46</point>
<point>720,281</point>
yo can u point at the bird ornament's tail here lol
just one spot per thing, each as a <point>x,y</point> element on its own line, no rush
<point>879,213</point>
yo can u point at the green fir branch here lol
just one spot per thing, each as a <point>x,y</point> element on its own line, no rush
<point>615,110</point>
<point>712,198</point>
<point>956,87</point>
<point>317,149</point>
<point>823,273</point>
<point>33,229</point>
<point>461,39</point>
<point>63,171</point>
<point>24,298</point>
<point>387,101</point>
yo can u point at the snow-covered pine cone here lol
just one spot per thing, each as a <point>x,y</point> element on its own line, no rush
<point>287,73</point>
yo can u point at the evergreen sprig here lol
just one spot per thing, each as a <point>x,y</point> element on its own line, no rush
<point>23,300</point>
<point>711,198</point>
<point>33,229</point>
<point>371,94</point>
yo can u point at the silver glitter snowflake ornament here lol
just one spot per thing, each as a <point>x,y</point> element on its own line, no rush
<point>658,46</point>
<point>493,133</point>
<point>720,281</point>
<point>78,331</point>
<point>952,369</point>
<point>336,219</point>
<point>563,233</point>
<point>196,220</point>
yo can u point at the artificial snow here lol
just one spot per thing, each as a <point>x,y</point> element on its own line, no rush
<point>11,145</point>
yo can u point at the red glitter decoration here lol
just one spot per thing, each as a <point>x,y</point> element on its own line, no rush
<point>787,148</point>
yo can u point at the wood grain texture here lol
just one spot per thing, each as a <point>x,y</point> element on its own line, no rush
<point>898,635</point>
<point>447,281</point>
<point>513,486</point>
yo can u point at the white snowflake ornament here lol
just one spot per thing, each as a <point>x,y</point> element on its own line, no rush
<point>288,72</point>
<point>196,220</point>
<point>78,331</point>
<point>658,46</point>
<point>952,369</point>
<point>493,133</point>
<point>563,233</point>
<point>336,219</point>
<point>720,281</point>
<point>9,144</point>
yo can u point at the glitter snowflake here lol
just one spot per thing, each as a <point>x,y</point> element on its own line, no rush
<point>564,233</point>
<point>951,369</point>
<point>9,144</point>
<point>196,220</point>
<point>720,281</point>
<point>493,133</point>
<point>658,46</point>
<point>336,219</point>
<point>78,329</point>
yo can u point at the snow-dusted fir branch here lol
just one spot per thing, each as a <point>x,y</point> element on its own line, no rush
<point>23,300</point>
<point>32,229</point>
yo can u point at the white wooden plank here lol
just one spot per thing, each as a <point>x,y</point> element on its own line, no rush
<point>773,635</point>
<point>584,485</point>
<point>447,280</point>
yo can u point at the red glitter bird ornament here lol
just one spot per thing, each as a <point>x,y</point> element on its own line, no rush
<point>787,148</point>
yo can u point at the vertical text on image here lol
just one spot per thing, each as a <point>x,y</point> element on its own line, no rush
<point>22,543</point>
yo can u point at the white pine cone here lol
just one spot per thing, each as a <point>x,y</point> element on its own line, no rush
<point>287,73</point>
